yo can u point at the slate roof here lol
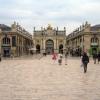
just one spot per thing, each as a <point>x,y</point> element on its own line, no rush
<point>95,27</point>
<point>5,27</point>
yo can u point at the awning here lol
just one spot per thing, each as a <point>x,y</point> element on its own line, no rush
<point>32,49</point>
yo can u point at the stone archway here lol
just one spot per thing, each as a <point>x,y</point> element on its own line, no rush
<point>37,48</point>
<point>49,46</point>
<point>61,48</point>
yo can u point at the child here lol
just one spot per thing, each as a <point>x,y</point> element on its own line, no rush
<point>60,59</point>
<point>54,56</point>
<point>66,56</point>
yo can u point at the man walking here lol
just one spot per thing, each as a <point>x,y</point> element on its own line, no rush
<point>98,57</point>
<point>0,57</point>
<point>66,57</point>
<point>85,61</point>
<point>94,57</point>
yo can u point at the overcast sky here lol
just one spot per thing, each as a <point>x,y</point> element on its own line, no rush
<point>61,13</point>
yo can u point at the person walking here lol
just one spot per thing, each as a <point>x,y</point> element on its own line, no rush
<point>85,61</point>
<point>94,57</point>
<point>54,56</point>
<point>0,58</point>
<point>66,57</point>
<point>98,57</point>
<point>81,59</point>
<point>60,59</point>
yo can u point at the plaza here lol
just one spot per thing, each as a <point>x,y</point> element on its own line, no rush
<point>40,78</point>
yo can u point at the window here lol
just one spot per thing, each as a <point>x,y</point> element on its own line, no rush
<point>94,40</point>
<point>6,40</point>
<point>13,41</point>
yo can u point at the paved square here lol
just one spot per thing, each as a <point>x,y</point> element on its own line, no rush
<point>40,78</point>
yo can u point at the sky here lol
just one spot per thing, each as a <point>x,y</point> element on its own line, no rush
<point>59,13</point>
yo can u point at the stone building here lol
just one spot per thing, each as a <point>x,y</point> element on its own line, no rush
<point>14,40</point>
<point>84,38</point>
<point>49,40</point>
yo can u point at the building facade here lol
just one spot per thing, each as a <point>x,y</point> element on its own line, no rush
<point>14,40</point>
<point>85,38</point>
<point>49,40</point>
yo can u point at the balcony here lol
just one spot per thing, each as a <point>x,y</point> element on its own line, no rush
<point>6,45</point>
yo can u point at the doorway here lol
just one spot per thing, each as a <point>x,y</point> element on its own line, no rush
<point>49,46</point>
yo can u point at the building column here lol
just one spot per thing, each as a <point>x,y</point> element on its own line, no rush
<point>56,43</point>
<point>78,41</point>
<point>54,40</point>
<point>22,45</point>
<point>64,46</point>
<point>18,51</point>
<point>34,42</point>
<point>41,45</point>
<point>44,45</point>
<point>11,49</point>
<point>86,42</point>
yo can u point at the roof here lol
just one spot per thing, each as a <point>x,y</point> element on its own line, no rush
<point>5,27</point>
<point>95,27</point>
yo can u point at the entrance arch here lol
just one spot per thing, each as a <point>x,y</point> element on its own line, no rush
<point>61,48</point>
<point>49,46</point>
<point>37,48</point>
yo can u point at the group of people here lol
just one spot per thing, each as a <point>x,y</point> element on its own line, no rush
<point>96,57</point>
<point>59,57</point>
<point>84,59</point>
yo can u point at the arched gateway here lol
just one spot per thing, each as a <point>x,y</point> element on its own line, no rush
<point>50,39</point>
<point>49,46</point>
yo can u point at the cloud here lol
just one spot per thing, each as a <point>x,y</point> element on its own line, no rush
<point>30,13</point>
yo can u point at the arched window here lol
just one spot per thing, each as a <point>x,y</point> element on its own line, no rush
<point>91,40</point>
<point>6,40</point>
<point>94,40</point>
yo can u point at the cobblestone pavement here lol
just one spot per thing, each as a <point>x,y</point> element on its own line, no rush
<point>44,79</point>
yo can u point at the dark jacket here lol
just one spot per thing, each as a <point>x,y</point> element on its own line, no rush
<point>94,56</point>
<point>85,58</point>
<point>98,56</point>
<point>0,58</point>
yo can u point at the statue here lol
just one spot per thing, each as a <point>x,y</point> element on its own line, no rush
<point>49,27</point>
<point>14,25</point>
